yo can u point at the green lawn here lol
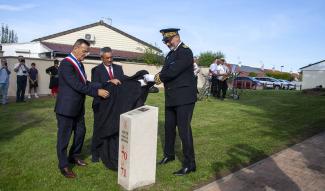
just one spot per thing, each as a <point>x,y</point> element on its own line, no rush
<point>227,135</point>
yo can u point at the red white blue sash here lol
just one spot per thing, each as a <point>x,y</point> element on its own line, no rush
<point>77,66</point>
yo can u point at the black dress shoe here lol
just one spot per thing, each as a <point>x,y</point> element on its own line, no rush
<point>184,171</point>
<point>66,172</point>
<point>78,162</point>
<point>166,160</point>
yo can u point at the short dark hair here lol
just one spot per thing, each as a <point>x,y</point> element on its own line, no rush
<point>56,61</point>
<point>104,50</point>
<point>4,61</point>
<point>33,64</point>
<point>80,42</point>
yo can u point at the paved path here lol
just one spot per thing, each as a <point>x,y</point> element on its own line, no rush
<point>298,168</point>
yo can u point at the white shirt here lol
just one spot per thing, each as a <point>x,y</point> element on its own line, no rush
<point>213,68</point>
<point>22,71</point>
<point>107,68</point>
<point>221,69</point>
<point>177,45</point>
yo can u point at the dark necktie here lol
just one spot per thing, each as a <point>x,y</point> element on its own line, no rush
<point>110,73</point>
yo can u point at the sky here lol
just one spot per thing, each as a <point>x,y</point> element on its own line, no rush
<point>287,33</point>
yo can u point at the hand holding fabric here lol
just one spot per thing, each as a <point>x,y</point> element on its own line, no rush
<point>103,93</point>
<point>115,81</point>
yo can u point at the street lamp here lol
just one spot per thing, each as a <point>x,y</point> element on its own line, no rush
<point>281,68</point>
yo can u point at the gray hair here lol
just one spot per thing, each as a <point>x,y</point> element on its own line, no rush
<point>104,50</point>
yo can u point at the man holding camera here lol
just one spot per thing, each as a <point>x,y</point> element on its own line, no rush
<point>22,72</point>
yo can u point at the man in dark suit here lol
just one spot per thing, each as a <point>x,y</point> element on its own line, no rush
<point>105,72</point>
<point>180,97</point>
<point>69,107</point>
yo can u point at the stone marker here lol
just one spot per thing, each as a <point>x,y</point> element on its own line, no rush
<point>138,147</point>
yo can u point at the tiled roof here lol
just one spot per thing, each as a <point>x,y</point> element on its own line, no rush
<point>94,51</point>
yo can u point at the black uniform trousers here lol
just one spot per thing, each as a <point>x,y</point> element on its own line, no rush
<point>181,117</point>
<point>222,86</point>
<point>67,126</point>
<point>21,87</point>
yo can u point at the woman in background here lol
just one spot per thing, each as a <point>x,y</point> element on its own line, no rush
<point>54,81</point>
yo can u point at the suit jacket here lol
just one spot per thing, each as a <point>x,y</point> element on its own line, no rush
<point>178,77</point>
<point>72,91</point>
<point>99,74</point>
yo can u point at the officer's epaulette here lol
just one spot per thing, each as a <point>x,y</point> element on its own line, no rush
<point>184,46</point>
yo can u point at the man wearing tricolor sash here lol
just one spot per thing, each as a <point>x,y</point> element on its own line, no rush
<point>70,109</point>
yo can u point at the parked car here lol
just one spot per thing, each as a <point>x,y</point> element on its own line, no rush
<point>288,85</point>
<point>246,83</point>
<point>269,82</point>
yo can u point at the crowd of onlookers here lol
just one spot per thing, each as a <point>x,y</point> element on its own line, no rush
<point>26,75</point>
<point>219,73</point>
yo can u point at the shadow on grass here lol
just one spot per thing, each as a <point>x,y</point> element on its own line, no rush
<point>9,133</point>
<point>264,175</point>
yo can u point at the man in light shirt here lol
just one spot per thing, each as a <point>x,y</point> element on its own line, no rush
<point>22,72</point>
<point>214,73</point>
<point>222,73</point>
<point>196,71</point>
<point>4,80</point>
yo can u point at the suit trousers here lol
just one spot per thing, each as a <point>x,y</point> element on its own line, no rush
<point>222,86</point>
<point>67,126</point>
<point>21,87</point>
<point>95,141</point>
<point>214,86</point>
<point>181,117</point>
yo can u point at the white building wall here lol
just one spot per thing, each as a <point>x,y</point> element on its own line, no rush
<point>103,37</point>
<point>313,78</point>
<point>29,50</point>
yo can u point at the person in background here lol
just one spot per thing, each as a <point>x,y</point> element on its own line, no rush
<point>54,80</point>
<point>33,80</point>
<point>214,78</point>
<point>4,80</point>
<point>223,73</point>
<point>22,72</point>
<point>196,71</point>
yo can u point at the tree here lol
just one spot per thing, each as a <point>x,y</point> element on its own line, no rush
<point>153,57</point>
<point>7,35</point>
<point>207,58</point>
<point>280,75</point>
<point>252,74</point>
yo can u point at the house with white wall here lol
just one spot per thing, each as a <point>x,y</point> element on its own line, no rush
<point>313,75</point>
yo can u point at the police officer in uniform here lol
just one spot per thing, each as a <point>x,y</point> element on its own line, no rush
<point>180,97</point>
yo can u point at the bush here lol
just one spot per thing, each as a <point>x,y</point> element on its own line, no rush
<point>152,57</point>
<point>207,58</point>
<point>252,74</point>
<point>280,75</point>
